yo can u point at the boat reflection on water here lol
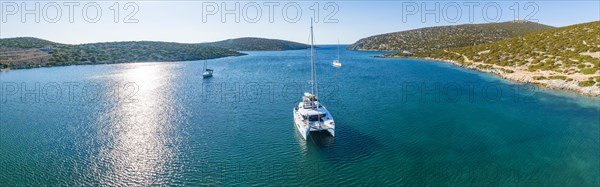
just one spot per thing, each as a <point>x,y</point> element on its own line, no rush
<point>316,140</point>
<point>322,139</point>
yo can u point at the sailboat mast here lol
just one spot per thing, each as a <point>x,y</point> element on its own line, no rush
<point>338,52</point>
<point>312,62</point>
<point>204,69</point>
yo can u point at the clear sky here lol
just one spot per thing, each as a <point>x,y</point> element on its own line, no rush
<point>201,21</point>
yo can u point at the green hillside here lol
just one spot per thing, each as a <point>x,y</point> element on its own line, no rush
<point>25,43</point>
<point>442,37</point>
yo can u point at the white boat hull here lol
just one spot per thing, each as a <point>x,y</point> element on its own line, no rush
<point>304,127</point>
<point>301,127</point>
<point>337,64</point>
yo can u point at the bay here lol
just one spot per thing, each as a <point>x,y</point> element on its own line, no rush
<point>399,122</point>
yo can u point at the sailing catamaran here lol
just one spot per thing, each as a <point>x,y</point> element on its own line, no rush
<point>309,114</point>
<point>336,62</point>
<point>206,72</point>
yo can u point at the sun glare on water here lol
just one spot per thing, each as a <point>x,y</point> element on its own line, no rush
<point>137,136</point>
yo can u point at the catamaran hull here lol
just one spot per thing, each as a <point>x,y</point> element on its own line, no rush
<point>304,129</point>
<point>300,126</point>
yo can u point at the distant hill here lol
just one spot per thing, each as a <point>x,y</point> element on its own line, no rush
<point>16,53</point>
<point>26,43</point>
<point>564,58</point>
<point>258,44</point>
<point>442,37</point>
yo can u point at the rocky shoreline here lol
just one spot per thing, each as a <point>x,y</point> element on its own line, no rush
<point>522,76</point>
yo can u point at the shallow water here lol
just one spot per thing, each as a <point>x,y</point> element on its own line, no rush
<point>399,122</point>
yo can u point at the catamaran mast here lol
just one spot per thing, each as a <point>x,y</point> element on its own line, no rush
<point>314,85</point>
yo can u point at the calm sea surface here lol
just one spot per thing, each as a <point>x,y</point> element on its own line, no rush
<point>399,122</point>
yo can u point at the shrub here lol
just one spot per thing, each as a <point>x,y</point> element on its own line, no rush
<point>586,83</point>
<point>588,71</point>
<point>539,78</point>
<point>561,77</point>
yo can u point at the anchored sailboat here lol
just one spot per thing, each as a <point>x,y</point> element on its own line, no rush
<point>206,72</point>
<point>336,63</point>
<point>309,114</point>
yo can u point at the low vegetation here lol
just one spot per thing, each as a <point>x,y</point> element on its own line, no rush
<point>586,83</point>
<point>559,77</point>
<point>444,37</point>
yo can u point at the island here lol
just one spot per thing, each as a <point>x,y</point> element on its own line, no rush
<point>28,52</point>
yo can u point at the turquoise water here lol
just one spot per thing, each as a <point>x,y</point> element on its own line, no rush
<point>399,122</point>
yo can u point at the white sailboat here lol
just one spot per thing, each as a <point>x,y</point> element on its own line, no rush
<point>336,63</point>
<point>206,72</point>
<point>309,114</point>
